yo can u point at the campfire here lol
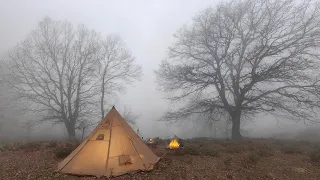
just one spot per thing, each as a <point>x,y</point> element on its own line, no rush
<point>174,144</point>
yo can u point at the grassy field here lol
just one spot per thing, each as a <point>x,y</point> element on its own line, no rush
<point>200,159</point>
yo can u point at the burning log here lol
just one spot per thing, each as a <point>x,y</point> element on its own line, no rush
<point>175,143</point>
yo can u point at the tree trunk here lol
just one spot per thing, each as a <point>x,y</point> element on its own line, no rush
<point>102,99</point>
<point>71,132</point>
<point>83,129</point>
<point>226,130</point>
<point>236,127</point>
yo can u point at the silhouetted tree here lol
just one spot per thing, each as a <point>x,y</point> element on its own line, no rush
<point>29,127</point>
<point>117,68</point>
<point>83,126</point>
<point>57,69</point>
<point>130,116</point>
<point>246,57</point>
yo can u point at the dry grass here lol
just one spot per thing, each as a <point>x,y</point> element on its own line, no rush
<point>315,157</point>
<point>199,159</point>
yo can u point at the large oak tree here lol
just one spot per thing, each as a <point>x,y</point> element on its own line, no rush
<point>57,69</point>
<point>244,57</point>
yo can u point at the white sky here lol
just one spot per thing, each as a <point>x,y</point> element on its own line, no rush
<point>146,26</point>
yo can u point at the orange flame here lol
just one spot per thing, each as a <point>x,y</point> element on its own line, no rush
<point>174,144</point>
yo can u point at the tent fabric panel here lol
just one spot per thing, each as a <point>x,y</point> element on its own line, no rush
<point>113,115</point>
<point>104,131</point>
<point>91,159</point>
<point>74,152</point>
<point>105,123</point>
<point>120,143</point>
<point>147,156</point>
<point>115,169</point>
<point>71,155</point>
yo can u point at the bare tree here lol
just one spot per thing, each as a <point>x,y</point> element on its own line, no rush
<point>1,128</point>
<point>29,127</point>
<point>117,68</point>
<point>53,70</point>
<point>83,126</point>
<point>130,116</point>
<point>245,57</point>
<point>227,127</point>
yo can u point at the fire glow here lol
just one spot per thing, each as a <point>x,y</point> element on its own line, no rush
<point>174,144</point>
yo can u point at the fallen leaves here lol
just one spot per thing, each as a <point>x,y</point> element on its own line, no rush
<point>39,163</point>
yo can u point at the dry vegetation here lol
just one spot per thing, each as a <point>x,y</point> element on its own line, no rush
<point>200,159</point>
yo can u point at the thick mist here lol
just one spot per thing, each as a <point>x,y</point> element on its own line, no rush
<point>147,28</point>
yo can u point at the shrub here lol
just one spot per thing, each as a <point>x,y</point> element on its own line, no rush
<point>11,147</point>
<point>253,158</point>
<point>52,144</point>
<point>177,152</point>
<point>305,143</point>
<point>251,148</point>
<point>65,149</point>
<point>195,151</point>
<point>63,152</point>
<point>210,152</point>
<point>278,142</point>
<point>290,149</point>
<point>191,150</point>
<point>234,149</point>
<point>31,146</point>
<point>316,145</point>
<point>265,152</point>
<point>315,157</point>
<point>227,162</point>
<point>162,141</point>
<point>3,148</point>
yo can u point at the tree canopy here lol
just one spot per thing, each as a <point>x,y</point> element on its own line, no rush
<point>245,57</point>
<point>62,72</point>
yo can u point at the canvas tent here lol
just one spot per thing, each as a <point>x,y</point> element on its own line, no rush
<point>112,149</point>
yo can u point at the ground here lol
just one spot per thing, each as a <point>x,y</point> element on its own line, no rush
<point>200,159</point>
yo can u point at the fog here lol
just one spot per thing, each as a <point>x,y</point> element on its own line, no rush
<point>147,27</point>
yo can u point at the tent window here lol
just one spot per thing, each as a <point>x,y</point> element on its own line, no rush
<point>100,137</point>
<point>124,160</point>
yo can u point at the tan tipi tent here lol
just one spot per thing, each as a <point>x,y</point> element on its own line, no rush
<point>112,149</point>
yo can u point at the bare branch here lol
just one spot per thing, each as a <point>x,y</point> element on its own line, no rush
<point>246,57</point>
<point>117,68</point>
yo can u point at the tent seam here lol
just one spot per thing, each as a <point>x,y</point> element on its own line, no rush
<point>108,155</point>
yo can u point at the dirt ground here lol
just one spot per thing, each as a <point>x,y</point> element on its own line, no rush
<point>200,159</point>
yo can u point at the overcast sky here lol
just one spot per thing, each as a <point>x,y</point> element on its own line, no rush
<point>146,26</point>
